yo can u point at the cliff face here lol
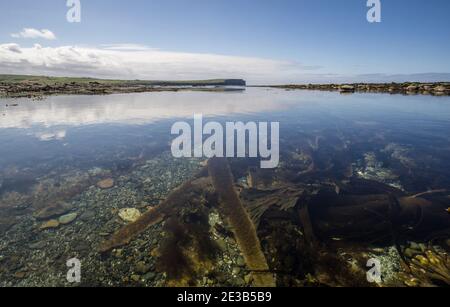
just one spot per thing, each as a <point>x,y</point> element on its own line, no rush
<point>235,82</point>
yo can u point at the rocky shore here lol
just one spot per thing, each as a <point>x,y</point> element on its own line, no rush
<point>37,88</point>
<point>34,249</point>
<point>436,89</point>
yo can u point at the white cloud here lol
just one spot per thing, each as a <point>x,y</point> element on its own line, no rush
<point>127,61</point>
<point>34,33</point>
<point>126,47</point>
<point>11,47</point>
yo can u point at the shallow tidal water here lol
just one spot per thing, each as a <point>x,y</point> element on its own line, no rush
<point>62,149</point>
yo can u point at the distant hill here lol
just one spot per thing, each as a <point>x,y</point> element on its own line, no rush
<point>55,80</point>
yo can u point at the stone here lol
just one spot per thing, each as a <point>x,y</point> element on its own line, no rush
<point>87,215</point>
<point>239,282</point>
<point>68,218</point>
<point>118,253</point>
<point>414,245</point>
<point>129,214</point>
<point>135,278</point>
<point>49,225</point>
<point>236,271</point>
<point>149,276</point>
<point>412,88</point>
<point>410,253</point>
<point>141,267</point>
<point>440,89</point>
<point>53,210</point>
<point>347,88</point>
<point>422,247</point>
<point>222,244</point>
<point>105,184</point>
<point>20,275</point>
<point>240,262</point>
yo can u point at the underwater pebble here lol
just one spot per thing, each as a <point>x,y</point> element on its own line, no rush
<point>49,225</point>
<point>105,184</point>
<point>20,275</point>
<point>410,252</point>
<point>129,214</point>
<point>141,267</point>
<point>238,281</point>
<point>222,244</point>
<point>88,215</point>
<point>240,262</point>
<point>68,218</point>
<point>118,253</point>
<point>149,276</point>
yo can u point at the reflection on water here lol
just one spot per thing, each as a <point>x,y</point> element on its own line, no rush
<point>75,169</point>
<point>135,108</point>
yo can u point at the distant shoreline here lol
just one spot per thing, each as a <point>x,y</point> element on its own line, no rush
<point>406,88</point>
<point>38,87</point>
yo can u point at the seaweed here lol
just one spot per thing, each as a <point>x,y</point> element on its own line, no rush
<point>242,226</point>
<point>189,191</point>
<point>187,251</point>
<point>172,258</point>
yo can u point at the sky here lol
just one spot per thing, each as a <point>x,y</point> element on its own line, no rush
<point>262,41</point>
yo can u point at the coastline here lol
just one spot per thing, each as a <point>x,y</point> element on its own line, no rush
<point>37,87</point>
<point>407,88</point>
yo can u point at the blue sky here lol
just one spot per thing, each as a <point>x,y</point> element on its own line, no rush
<point>309,40</point>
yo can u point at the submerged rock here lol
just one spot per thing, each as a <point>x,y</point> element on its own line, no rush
<point>106,184</point>
<point>68,218</point>
<point>142,268</point>
<point>129,214</point>
<point>50,225</point>
<point>52,211</point>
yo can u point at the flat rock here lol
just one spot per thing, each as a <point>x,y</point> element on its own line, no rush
<point>105,184</point>
<point>68,218</point>
<point>49,225</point>
<point>53,210</point>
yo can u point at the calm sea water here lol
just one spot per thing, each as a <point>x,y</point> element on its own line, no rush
<point>57,150</point>
<point>40,137</point>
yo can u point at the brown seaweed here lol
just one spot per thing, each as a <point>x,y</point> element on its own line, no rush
<point>238,218</point>
<point>187,192</point>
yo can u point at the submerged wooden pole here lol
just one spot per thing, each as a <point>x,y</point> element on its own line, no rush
<point>243,228</point>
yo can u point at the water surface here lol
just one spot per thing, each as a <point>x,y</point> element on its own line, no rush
<point>56,149</point>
